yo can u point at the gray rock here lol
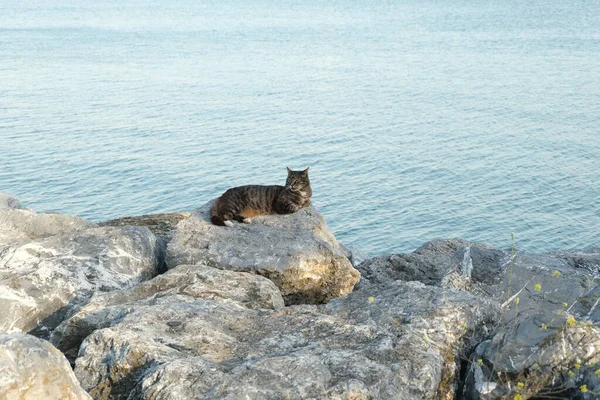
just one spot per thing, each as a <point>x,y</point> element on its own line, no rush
<point>162,225</point>
<point>535,342</point>
<point>549,330</point>
<point>44,280</point>
<point>587,306</point>
<point>184,283</point>
<point>427,264</point>
<point>547,326</point>
<point>297,252</point>
<point>487,265</point>
<point>356,256</point>
<point>565,358</point>
<point>403,344</point>
<point>31,368</point>
<point>19,225</point>
<point>9,202</point>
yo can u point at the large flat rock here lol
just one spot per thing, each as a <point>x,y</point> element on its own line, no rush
<point>43,280</point>
<point>297,252</point>
<point>32,369</point>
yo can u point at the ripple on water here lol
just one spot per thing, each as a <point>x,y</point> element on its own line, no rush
<point>418,121</point>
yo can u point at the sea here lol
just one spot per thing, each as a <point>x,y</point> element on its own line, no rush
<point>419,119</point>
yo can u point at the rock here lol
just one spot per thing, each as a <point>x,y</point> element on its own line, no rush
<point>162,225</point>
<point>427,264</point>
<point>44,280</point>
<point>180,343</point>
<point>587,306</point>
<point>184,283</point>
<point>548,331</point>
<point>566,358</point>
<point>9,202</point>
<point>353,254</point>
<point>31,368</point>
<point>297,252</point>
<point>541,336</point>
<point>19,225</point>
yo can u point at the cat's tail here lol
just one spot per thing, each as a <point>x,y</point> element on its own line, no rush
<point>215,218</point>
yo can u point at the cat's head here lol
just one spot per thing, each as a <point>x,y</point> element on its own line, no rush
<point>297,181</point>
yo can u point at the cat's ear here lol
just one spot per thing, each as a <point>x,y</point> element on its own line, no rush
<point>305,172</point>
<point>289,170</point>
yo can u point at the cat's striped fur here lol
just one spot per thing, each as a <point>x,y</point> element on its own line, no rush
<point>244,202</point>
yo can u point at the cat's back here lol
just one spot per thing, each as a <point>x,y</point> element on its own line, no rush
<point>248,192</point>
<point>251,200</point>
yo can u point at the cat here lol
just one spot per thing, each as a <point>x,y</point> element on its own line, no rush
<point>244,202</point>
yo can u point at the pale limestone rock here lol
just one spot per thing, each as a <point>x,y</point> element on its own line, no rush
<point>162,225</point>
<point>32,369</point>
<point>9,202</point>
<point>297,252</point>
<point>185,283</point>
<point>43,280</point>
<point>172,345</point>
<point>428,264</point>
<point>19,225</point>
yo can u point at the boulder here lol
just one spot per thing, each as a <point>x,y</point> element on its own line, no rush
<point>9,202</point>
<point>399,341</point>
<point>297,252</point>
<point>32,369</point>
<point>550,313</point>
<point>549,326</point>
<point>162,225</point>
<point>20,225</point>
<point>44,280</point>
<point>185,283</point>
<point>428,264</point>
<point>356,256</point>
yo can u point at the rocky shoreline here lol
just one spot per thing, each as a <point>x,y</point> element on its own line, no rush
<point>171,307</point>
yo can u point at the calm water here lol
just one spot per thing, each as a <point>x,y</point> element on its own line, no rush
<point>419,119</point>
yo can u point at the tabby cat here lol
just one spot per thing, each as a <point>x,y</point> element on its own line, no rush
<point>244,202</point>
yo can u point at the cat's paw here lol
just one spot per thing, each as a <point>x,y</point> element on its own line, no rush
<point>247,220</point>
<point>228,223</point>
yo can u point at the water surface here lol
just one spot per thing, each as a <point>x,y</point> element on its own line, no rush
<point>419,119</point>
